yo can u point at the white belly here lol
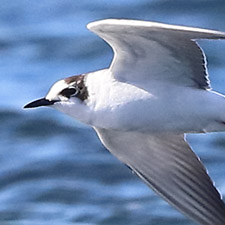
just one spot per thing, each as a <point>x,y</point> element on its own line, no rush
<point>190,110</point>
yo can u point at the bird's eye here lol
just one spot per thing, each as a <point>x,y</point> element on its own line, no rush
<point>68,92</point>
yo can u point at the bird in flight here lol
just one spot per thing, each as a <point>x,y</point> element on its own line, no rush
<point>155,91</point>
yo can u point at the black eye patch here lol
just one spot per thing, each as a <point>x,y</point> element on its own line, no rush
<point>67,92</point>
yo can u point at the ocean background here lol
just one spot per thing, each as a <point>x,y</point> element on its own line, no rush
<point>53,169</point>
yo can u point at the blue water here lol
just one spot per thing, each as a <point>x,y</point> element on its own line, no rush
<point>53,170</point>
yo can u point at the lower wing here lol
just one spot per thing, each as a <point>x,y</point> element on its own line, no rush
<point>169,166</point>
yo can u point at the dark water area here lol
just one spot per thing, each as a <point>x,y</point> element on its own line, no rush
<point>54,170</point>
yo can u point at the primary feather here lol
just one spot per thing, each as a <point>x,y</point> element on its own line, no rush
<point>169,166</point>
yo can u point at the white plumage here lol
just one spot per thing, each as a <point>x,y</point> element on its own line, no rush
<point>156,90</point>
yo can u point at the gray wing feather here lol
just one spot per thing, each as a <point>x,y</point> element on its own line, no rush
<point>147,51</point>
<point>169,166</point>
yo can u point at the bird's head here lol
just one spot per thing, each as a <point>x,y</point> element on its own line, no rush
<point>67,95</point>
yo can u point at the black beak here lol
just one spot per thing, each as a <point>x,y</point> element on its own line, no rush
<point>39,102</point>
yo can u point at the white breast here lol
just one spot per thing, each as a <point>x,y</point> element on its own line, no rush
<point>114,103</point>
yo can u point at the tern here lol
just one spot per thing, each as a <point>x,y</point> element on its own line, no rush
<point>155,91</point>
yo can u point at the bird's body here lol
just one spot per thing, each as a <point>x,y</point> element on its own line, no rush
<point>112,105</point>
<point>155,91</point>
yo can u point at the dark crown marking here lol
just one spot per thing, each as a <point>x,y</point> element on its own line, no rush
<point>80,85</point>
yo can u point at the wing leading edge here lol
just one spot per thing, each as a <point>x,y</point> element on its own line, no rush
<point>148,52</point>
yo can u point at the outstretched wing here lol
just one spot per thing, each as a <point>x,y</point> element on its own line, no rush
<point>147,51</point>
<point>169,166</point>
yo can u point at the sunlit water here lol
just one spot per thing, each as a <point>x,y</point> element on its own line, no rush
<point>53,170</point>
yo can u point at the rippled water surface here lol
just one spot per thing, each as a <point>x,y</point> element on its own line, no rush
<point>53,170</point>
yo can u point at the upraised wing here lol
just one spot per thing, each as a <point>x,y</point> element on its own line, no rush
<point>148,52</point>
<point>169,166</point>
